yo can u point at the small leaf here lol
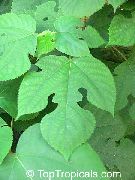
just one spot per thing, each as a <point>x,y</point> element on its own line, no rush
<point>45,43</point>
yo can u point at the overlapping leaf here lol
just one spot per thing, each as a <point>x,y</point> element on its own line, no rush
<point>6,137</point>
<point>101,21</point>
<point>67,38</point>
<point>17,40</point>
<point>121,31</point>
<point>45,43</point>
<point>23,6</point>
<point>64,77</point>
<point>125,82</point>
<point>117,152</point>
<point>43,157</point>
<point>92,37</point>
<point>45,16</point>
<point>8,96</point>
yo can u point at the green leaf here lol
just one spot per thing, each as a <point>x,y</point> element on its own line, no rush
<point>132,111</point>
<point>17,40</point>
<point>45,16</point>
<point>64,77</point>
<point>121,31</point>
<point>125,159</point>
<point>125,81</point>
<point>80,8</point>
<point>6,137</point>
<point>69,24</point>
<point>67,37</point>
<point>70,124</point>
<point>117,152</point>
<point>101,21</point>
<point>116,3</point>
<point>43,157</point>
<point>22,6</point>
<point>45,43</point>
<point>86,72</point>
<point>69,44</point>
<point>8,96</point>
<point>92,37</point>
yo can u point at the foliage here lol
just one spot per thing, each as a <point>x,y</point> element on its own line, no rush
<point>67,88</point>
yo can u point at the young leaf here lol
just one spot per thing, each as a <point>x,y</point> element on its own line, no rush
<point>6,137</point>
<point>45,43</point>
<point>40,156</point>
<point>17,40</point>
<point>80,8</point>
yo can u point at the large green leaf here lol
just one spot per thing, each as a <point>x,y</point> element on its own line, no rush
<point>80,8</point>
<point>6,137</point>
<point>17,40</point>
<point>37,155</point>
<point>86,72</point>
<point>121,31</point>
<point>8,96</point>
<point>64,77</point>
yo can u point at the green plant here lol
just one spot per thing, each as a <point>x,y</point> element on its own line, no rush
<point>67,89</point>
